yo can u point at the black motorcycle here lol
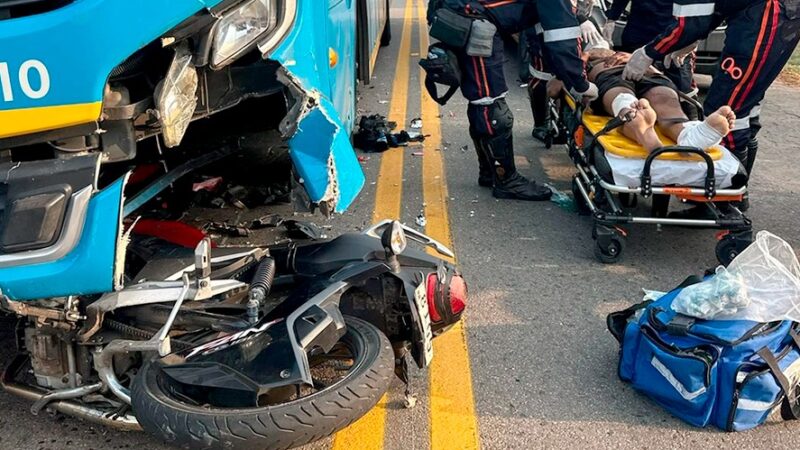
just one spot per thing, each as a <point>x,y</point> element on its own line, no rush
<point>240,347</point>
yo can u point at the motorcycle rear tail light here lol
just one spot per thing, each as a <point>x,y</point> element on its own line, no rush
<point>434,291</point>
<point>458,294</point>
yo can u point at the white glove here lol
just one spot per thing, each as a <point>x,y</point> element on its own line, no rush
<point>585,97</point>
<point>589,33</point>
<point>637,65</point>
<point>677,57</point>
<point>608,30</point>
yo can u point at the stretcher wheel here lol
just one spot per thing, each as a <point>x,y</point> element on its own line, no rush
<point>609,245</point>
<point>731,245</point>
<point>580,202</point>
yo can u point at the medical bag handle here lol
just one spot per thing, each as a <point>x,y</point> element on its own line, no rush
<point>790,407</point>
<point>647,181</point>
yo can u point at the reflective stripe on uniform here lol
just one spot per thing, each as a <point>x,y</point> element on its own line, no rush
<point>562,34</point>
<point>538,74</point>
<point>538,28</point>
<point>485,101</point>
<point>695,10</point>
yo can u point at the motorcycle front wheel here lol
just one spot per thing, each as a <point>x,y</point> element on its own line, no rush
<point>363,360</point>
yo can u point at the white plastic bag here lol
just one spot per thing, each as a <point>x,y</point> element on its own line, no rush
<point>761,284</point>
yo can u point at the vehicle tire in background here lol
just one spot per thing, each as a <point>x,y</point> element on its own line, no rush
<point>283,425</point>
<point>386,37</point>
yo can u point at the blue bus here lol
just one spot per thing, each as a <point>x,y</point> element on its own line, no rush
<point>112,78</point>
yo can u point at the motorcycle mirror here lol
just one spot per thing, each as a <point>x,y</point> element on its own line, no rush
<point>393,239</point>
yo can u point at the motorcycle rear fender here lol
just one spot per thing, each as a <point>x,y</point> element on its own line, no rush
<point>87,255</point>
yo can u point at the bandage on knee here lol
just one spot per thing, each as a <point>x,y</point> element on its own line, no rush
<point>622,101</point>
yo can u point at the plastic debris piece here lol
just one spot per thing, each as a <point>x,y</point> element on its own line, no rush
<point>418,154</point>
<point>298,229</point>
<point>227,229</point>
<point>472,213</point>
<point>268,221</point>
<point>421,221</point>
<point>210,184</point>
<point>652,295</point>
<point>410,401</point>
<point>464,149</point>
<point>363,159</point>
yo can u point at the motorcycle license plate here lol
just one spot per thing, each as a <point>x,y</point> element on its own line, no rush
<point>421,301</point>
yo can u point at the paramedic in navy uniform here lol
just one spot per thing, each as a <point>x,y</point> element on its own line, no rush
<point>646,20</point>
<point>760,38</point>
<point>483,83</point>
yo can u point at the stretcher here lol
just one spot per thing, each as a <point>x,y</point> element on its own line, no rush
<point>614,172</point>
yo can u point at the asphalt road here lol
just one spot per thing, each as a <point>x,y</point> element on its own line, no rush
<point>542,365</point>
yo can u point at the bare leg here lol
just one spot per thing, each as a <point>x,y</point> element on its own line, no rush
<point>671,117</point>
<point>667,105</point>
<point>641,128</point>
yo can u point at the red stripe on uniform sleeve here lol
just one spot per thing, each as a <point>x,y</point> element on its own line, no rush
<point>666,44</point>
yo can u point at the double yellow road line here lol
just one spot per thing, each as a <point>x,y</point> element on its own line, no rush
<point>452,420</point>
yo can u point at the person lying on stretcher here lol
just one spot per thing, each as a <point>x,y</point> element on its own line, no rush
<point>652,101</point>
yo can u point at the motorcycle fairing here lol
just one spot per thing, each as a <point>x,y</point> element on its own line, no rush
<point>249,363</point>
<point>88,268</point>
<point>79,44</point>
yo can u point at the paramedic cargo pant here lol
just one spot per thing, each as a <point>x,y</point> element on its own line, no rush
<point>759,41</point>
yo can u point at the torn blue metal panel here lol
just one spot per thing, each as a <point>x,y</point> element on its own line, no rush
<point>87,269</point>
<point>325,159</point>
<point>320,146</point>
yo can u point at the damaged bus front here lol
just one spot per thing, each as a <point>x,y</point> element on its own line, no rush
<point>117,79</point>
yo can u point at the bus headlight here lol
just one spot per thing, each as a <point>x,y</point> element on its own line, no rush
<point>176,97</point>
<point>239,28</point>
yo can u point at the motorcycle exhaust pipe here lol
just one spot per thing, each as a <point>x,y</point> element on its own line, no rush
<point>124,422</point>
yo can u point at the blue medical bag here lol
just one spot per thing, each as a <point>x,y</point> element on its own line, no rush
<point>728,373</point>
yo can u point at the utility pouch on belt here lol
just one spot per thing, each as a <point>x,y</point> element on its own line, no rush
<point>450,28</point>
<point>481,38</point>
<point>441,66</point>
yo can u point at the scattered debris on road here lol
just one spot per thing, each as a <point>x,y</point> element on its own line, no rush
<point>421,220</point>
<point>375,134</point>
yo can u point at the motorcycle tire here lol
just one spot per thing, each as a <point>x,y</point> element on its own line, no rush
<point>279,426</point>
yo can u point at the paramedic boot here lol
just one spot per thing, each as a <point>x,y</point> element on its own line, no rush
<point>508,183</point>
<point>518,187</point>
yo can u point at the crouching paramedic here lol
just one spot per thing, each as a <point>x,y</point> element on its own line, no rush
<point>760,38</point>
<point>471,30</point>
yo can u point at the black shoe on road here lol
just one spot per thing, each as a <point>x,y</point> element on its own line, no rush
<point>485,180</point>
<point>518,187</point>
